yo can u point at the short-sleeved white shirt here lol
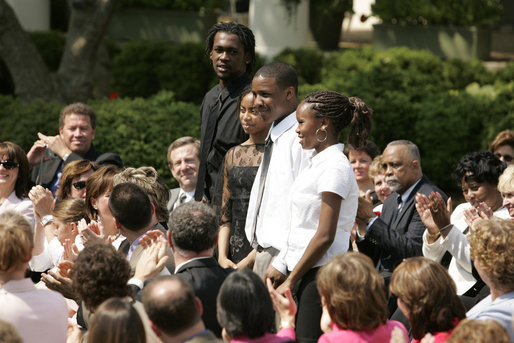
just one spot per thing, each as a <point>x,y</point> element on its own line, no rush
<point>328,171</point>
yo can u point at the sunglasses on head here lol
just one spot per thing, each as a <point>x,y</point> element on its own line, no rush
<point>79,185</point>
<point>8,164</point>
<point>507,158</point>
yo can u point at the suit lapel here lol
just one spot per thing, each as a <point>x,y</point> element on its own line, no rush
<point>407,206</point>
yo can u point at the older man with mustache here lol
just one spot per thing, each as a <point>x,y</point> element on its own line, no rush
<point>397,234</point>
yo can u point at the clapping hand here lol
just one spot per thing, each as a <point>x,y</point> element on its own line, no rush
<point>92,232</point>
<point>153,259</point>
<point>284,305</point>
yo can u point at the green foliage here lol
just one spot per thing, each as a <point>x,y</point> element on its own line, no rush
<point>306,61</point>
<point>144,68</point>
<point>180,5</point>
<point>50,45</point>
<point>438,12</point>
<point>140,130</point>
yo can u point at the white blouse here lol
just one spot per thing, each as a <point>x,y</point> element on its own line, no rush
<point>456,243</point>
<point>328,171</point>
<point>23,206</point>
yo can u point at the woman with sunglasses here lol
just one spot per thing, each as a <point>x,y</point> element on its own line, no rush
<point>14,177</point>
<point>73,179</point>
<point>502,146</point>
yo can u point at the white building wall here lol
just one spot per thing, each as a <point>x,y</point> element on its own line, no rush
<point>34,15</point>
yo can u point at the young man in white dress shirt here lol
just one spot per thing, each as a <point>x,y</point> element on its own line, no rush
<point>275,88</point>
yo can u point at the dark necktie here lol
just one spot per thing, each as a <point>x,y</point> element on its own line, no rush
<point>182,198</point>
<point>398,209</point>
<point>268,148</point>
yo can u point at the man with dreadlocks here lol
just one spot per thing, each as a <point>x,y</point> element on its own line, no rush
<point>231,48</point>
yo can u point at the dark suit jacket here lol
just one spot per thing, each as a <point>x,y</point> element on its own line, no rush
<point>391,241</point>
<point>220,131</point>
<point>206,277</point>
<point>44,174</point>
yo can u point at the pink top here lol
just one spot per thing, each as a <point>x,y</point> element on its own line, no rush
<point>284,335</point>
<point>441,337</point>
<point>378,335</point>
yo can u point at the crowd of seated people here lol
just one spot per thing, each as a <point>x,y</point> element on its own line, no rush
<point>94,252</point>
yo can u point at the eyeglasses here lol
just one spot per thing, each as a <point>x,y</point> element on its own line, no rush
<point>79,185</point>
<point>8,164</point>
<point>507,158</point>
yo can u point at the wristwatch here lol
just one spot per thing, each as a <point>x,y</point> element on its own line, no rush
<point>47,220</point>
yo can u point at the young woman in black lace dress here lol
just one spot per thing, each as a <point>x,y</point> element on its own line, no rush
<point>240,168</point>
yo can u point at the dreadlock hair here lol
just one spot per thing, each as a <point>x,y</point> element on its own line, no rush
<point>342,111</point>
<point>245,36</point>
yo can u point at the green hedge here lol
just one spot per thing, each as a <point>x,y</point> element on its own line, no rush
<point>140,130</point>
<point>145,68</point>
<point>180,5</point>
<point>439,12</point>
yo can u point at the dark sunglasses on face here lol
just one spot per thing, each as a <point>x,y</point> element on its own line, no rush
<point>507,158</point>
<point>8,164</point>
<point>79,185</point>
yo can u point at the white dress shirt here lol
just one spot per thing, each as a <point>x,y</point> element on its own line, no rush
<point>40,316</point>
<point>189,197</point>
<point>457,244</point>
<point>328,171</point>
<point>287,160</point>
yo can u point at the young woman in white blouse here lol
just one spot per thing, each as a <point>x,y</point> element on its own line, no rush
<point>323,200</point>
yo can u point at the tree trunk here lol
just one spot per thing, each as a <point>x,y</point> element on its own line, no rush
<point>28,70</point>
<point>74,81</point>
<point>89,21</point>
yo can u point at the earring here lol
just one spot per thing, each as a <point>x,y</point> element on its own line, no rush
<point>321,129</point>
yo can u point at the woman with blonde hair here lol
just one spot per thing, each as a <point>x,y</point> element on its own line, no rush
<point>491,244</point>
<point>427,296</point>
<point>73,179</point>
<point>38,315</point>
<point>382,190</point>
<point>353,296</point>
<point>506,188</point>
<point>479,331</point>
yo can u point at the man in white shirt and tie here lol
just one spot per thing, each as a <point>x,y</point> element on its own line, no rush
<point>275,88</point>
<point>183,161</point>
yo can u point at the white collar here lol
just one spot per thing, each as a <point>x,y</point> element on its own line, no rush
<point>284,125</point>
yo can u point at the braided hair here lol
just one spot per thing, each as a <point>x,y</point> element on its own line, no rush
<point>342,111</point>
<point>245,36</point>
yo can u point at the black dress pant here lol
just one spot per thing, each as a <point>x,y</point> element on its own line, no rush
<point>309,309</point>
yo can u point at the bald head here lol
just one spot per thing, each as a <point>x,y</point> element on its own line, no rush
<point>171,305</point>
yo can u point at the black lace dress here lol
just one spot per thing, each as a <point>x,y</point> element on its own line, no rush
<point>241,164</point>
